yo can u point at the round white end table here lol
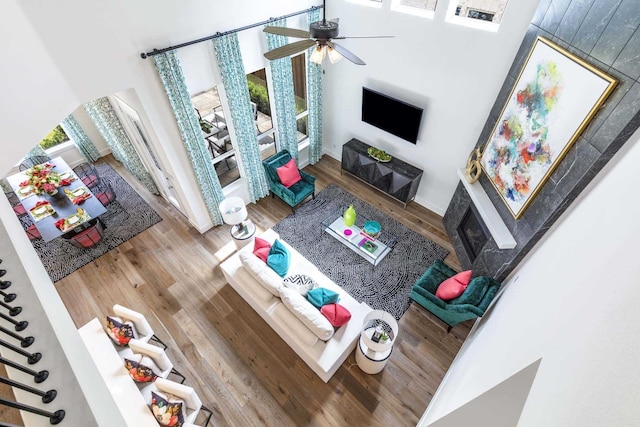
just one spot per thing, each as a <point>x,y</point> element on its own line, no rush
<point>241,237</point>
<point>372,353</point>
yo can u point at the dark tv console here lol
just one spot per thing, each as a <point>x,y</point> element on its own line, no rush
<point>398,179</point>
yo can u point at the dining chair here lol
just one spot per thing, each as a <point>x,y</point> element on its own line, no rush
<point>32,161</point>
<point>89,237</point>
<point>18,208</point>
<point>143,328</point>
<point>158,356</point>
<point>32,232</point>
<point>192,402</point>
<point>88,174</point>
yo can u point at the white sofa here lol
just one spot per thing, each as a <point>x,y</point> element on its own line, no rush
<point>323,357</point>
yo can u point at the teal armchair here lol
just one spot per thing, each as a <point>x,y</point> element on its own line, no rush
<point>295,194</point>
<point>471,304</point>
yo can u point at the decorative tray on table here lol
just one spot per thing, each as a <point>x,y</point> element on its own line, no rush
<point>41,210</point>
<point>379,155</point>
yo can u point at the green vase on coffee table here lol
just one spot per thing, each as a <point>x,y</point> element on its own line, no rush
<point>349,216</point>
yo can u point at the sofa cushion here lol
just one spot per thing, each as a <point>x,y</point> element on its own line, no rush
<point>120,331</point>
<point>279,258</point>
<point>454,286</point>
<point>336,314</point>
<point>300,283</point>
<point>322,296</point>
<point>261,248</point>
<point>288,173</point>
<point>264,275</point>
<point>294,326</point>
<point>307,313</point>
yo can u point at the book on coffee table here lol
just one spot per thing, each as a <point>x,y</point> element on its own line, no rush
<point>369,246</point>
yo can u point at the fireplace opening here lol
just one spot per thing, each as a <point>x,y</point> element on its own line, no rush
<point>473,233</point>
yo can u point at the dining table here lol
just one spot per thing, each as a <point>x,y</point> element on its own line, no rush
<point>57,215</point>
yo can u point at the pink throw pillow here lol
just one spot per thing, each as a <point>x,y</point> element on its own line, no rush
<point>288,173</point>
<point>454,286</point>
<point>336,314</point>
<point>261,248</point>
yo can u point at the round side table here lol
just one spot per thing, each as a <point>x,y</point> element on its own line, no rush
<point>240,237</point>
<point>374,351</point>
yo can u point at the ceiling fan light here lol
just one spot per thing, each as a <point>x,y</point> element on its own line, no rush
<point>334,56</point>
<point>318,54</point>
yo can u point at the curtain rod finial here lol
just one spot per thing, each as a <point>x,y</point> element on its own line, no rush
<point>143,55</point>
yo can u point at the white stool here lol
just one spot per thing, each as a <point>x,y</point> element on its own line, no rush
<point>371,355</point>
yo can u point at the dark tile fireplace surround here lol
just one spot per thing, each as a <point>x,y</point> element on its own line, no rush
<point>604,33</point>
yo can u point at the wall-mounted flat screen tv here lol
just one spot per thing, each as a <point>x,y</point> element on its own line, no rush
<point>392,115</point>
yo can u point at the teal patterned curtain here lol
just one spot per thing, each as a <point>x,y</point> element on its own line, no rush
<point>170,72</point>
<point>73,130</point>
<point>105,118</point>
<point>283,93</point>
<point>314,100</point>
<point>234,79</point>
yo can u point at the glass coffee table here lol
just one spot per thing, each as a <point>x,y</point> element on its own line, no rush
<point>372,249</point>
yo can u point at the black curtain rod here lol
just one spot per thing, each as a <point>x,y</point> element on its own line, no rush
<point>218,34</point>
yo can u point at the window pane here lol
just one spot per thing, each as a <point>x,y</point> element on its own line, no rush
<point>419,4</point>
<point>213,124</point>
<point>299,82</point>
<point>482,10</point>
<point>55,137</point>
<point>259,94</point>
<point>303,133</point>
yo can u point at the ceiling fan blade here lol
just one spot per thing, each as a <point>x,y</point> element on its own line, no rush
<point>363,37</point>
<point>289,32</point>
<point>347,54</point>
<point>289,49</point>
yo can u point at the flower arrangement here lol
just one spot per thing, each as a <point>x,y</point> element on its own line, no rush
<point>42,179</point>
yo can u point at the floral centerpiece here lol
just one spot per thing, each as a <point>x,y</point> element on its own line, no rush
<point>42,179</point>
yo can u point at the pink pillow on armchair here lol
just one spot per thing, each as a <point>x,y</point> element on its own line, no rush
<point>454,286</point>
<point>261,248</point>
<point>288,173</point>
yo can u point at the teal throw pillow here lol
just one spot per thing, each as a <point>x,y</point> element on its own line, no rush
<point>279,258</point>
<point>322,296</point>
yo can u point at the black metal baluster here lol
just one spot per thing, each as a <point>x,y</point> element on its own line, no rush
<point>54,417</point>
<point>19,326</point>
<point>32,358</point>
<point>3,272</point>
<point>37,376</point>
<point>8,297</point>
<point>4,284</point>
<point>47,396</point>
<point>13,311</point>
<point>24,341</point>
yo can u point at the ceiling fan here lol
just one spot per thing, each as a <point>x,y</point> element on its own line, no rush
<point>321,34</point>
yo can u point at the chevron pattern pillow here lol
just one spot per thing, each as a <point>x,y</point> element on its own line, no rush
<point>300,283</point>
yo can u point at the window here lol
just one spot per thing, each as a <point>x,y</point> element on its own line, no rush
<point>56,137</point>
<point>214,130</point>
<point>482,14</point>
<point>415,7</point>
<point>259,95</point>
<point>299,66</point>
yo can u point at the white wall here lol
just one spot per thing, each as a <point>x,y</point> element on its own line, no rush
<point>574,303</point>
<point>452,71</point>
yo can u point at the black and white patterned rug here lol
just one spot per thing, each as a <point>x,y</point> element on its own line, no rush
<point>125,218</point>
<point>385,287</point>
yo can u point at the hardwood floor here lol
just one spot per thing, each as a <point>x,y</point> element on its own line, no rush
<point>240,368</point>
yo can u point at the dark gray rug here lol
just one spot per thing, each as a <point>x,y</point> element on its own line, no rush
<point>128,216</point>
<point>385,287</point>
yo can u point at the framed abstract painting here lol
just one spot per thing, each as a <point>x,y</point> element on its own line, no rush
<point>554,98</point>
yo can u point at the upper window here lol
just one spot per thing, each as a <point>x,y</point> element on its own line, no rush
<point>483,14</point>
<point>415,7</point>
<point>56,137</point>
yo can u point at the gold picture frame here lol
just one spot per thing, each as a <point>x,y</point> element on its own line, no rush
<point>554,98</point>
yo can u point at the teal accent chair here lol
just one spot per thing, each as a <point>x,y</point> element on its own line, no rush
<point>295,194</point>
<point>471,304</point>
